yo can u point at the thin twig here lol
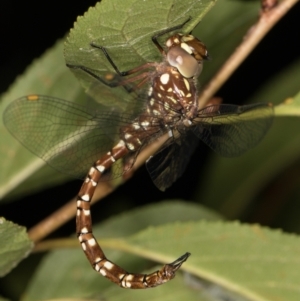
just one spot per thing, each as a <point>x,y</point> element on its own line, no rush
<point>255,34</point>
<point>267,5</point>
<point>68,211</point>
<point>64,214</point>
<point>266,21</point>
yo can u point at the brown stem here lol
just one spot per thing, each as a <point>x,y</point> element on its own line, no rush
<point>64,214</point>
<point>255,34</point>
<point>68,211</point>
<point>267,5</point>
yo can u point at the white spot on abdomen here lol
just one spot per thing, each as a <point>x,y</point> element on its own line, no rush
<point>84,230</point>
<point>108,265</point>
<point>92,242</point>
<point>103,272</point>
<point>101,168</point>
<point>86,212</point>
<point>152,101</point>
<point>85,197</point>
<point>150,91</point>
<point>136,126</point>
<point>145,123</point>
<point>130,146</point>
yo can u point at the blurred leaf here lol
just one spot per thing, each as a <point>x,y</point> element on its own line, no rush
<point>255,262</point>
<point>177,289</point>
<point>46,75</point>
<point>15,245</point>
<point>73,276</point>
<point>240,179</point>
<point>154,214</point>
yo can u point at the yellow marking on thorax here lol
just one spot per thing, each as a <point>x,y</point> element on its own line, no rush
<point>32,97</point>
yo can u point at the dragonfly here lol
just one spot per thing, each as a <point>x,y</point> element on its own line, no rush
<point>70,137</point>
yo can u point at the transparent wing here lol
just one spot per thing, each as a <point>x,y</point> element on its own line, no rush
<point>228,129</point>
<point>166,166</point>
<point>231,130</point>
<point>69,137</point>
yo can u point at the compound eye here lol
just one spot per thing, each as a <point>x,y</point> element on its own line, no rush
<point>194,46</point>
<point>186,64</point>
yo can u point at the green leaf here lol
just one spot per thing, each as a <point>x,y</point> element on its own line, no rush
<point>252,262</point>
<point>71,275</point>
<point>15,245</point>
<point>47,75</point>
<point>155,214</point>
<point>125,29</point>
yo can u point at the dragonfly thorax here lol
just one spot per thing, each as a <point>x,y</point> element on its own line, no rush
<point>172,97</point>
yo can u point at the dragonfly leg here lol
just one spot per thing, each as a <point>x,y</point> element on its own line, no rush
<point>165,31</point>
<point>142,67</point>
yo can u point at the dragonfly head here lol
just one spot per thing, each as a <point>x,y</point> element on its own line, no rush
<point>186,53</point>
